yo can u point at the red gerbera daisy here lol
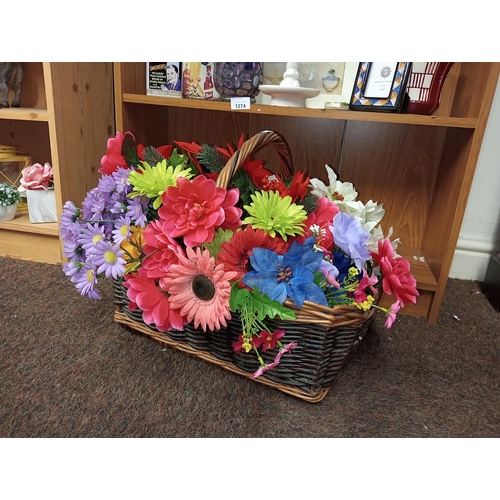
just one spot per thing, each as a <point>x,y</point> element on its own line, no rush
<point>236,252</point>
<point>144,294</point>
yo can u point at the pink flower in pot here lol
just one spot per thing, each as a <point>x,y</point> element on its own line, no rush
<point>37,176</point>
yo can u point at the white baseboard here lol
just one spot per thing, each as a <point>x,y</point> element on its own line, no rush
<point>471,259</point>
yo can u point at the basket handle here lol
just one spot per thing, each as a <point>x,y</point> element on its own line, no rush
<point>252,145</point>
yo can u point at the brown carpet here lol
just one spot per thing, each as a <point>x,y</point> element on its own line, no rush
<point>67,370</point>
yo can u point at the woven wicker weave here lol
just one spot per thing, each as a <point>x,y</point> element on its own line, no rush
<point>326,337</point>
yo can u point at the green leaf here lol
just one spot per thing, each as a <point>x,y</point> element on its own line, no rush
<point>129,150</point>
<point>242,182</point>
<point>221,236</point>
<point>260,305</point>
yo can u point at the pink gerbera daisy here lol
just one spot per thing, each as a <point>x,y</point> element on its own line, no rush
<point>200,289</point>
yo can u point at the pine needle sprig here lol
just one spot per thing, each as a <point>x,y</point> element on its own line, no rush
<point>210,158</point>
<point>152,155</point>
<point>310,203</point>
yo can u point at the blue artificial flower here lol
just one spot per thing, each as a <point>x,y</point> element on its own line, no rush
<point>351,237</point>
<point>289,275</point>
<point>342,262</point>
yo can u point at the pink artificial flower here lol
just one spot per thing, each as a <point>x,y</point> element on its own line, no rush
<point>264,368</point>
<point>144,294</point>
<point>200,288</point>
<point>36,177</point>
<point>195,209</point>
<point>160,249</point>
<point>396,279</point>
<point>277,359</point>
<point>391,314</point>
<point>330,272</point>
<point>360,295</point>
<point>113,157</point>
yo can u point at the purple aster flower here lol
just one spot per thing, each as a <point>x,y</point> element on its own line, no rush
<point>120,176</point>
<point>93,205</point>
<point>69,218</point>
<point>350,236</point>
<point>85,281</point>
<point>106,184</point>
<point>71,268</point>
<point>72,249</point>
<point>289,275</point>
<point>117,204</point>
<point>136,208</point>
<point>122,229</point>
<point>90,235</point>
<point>109,259</point>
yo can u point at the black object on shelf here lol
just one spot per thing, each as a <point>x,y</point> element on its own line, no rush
<point>491,283</point>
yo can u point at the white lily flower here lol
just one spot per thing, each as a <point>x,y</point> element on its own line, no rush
<point>342,193</point>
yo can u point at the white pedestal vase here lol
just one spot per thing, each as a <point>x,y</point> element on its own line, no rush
<point>41,205</point>
<point>8,212</point>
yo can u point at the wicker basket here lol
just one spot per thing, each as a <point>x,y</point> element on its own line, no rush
<point>326,337</point>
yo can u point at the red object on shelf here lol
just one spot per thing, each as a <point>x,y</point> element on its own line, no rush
<point>424,87</point>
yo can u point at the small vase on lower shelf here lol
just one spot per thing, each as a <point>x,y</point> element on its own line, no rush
<point>8,212</point>
<point>41,205</point>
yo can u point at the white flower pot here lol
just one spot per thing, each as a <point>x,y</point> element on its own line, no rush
<point>8,212</point>
<point>41,205</point>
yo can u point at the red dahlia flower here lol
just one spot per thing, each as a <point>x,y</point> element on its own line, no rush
<point>195,209</point>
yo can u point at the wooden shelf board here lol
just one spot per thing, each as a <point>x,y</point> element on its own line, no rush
<point>30,246</point>
<point>420,270</point>
<point>24,114</point>
<point>264,109</point>
<point>21,223</point>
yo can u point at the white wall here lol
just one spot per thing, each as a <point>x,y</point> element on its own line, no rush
<point>480,232</point>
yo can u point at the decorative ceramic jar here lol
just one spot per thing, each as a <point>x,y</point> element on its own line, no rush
<point>238,79</point>
<point>8,212</point>
<point>41,205</point>
<point>330,81</point>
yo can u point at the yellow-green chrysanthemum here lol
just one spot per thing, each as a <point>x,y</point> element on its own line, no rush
<point>154,181</point>
<point>274,214</point>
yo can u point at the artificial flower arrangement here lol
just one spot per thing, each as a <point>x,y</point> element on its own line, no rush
<point>36,177</point>
<point>190,251</point>
<point>9,195</point>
